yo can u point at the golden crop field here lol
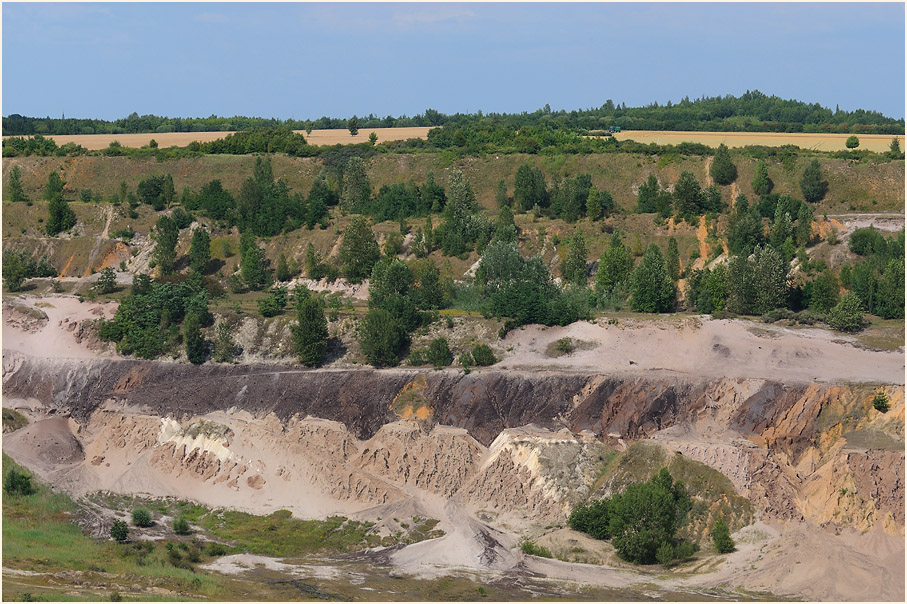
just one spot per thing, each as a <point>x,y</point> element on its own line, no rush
<point>818,142</point>
<point>181,139</point>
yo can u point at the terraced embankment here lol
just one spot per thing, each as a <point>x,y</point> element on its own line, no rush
<point>496,455</point>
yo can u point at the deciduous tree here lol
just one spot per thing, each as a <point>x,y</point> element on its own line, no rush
<point>812,184</point>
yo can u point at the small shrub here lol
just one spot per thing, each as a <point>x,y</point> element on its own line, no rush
<point>217,549</point>
<point>880,402</point>
<point>417,358</point>
<point>141,517</point>
<point>181,526</point>
<point>119,531</point>
<point>17,482</point>
<point>564,346</point>
<point>439,353</point>
<point>685,550</point>
<point>531,549</point>
<point>482,355</point>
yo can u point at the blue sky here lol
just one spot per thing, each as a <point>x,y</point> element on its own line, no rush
<point>308,60</point>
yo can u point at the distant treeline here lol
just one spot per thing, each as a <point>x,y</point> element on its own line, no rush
<point>750,112</point>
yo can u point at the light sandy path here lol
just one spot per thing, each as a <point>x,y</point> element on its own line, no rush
<point>705,348</point>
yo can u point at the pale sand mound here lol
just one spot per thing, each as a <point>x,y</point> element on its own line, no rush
<point>55,337</point>
<point>47,443</point>
<point>705,348</point>
<point>807,562</point>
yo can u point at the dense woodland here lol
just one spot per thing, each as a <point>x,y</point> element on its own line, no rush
<point>768,272</point>
<point>752,111</point>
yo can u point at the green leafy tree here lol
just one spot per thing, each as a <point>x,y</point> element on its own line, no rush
<point>282,272</point>
<point>645,516</point>
<point>382,338</point>
<point>599,204</point>
<point>13,187</point>
<point>651,287</point>
<point>672,259</point>
<point>352,125</point>
<point>358,251</point>
<point>852,142</point>
<point>252,262</point>
<point>428,291</point>
<point>505,228</point>
<point>273,303</point>
<point>310,334</point>
<point>812,184</point>
<point>762,184</point>
<point>15,270</point>
<point>458,227</point>
<point>196,346</point>
<point>804,225</point>
<point>721,537</point>
<point>894,150</point>
<point>757,284</point>
<point>439,353</point>
<point>847,315</point>
<point>54,187</point>
<point>372,138</point>
<point>200,250</point>
<point>890,297</point>
<point>689,198</point>
<point>782,227</point>
<point>744,231</point>
<point>500,196</point>
<point>119,530</point>
<point>107,281</point>
<point>355,190</point>
<point>521,288</point>
<point>648,193</point>
<point>614,266</point>
<point>166,234</point>
<point>60,216</point>
<point>707,290</point>
<point>824,292</point>
<point>223,343</point>
<point>574,265</point>
<point>529,188</point>
<point>723,171</point>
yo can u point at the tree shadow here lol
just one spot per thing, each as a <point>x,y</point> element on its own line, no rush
<point>336,350</point>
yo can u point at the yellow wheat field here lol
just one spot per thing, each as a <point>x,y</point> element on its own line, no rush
<point>181,139</point>
<point>818,142</point>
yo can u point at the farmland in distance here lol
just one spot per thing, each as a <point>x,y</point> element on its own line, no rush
<point>94,142</point>
<point>804,140</point>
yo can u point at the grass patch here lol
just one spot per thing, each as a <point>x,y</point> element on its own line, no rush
<point>12,421</point>
<point>870,438</point>
<point>282,535</point>
<point>531,549</point>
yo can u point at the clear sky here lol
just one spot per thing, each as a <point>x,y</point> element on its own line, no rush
<point>303,61</point>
